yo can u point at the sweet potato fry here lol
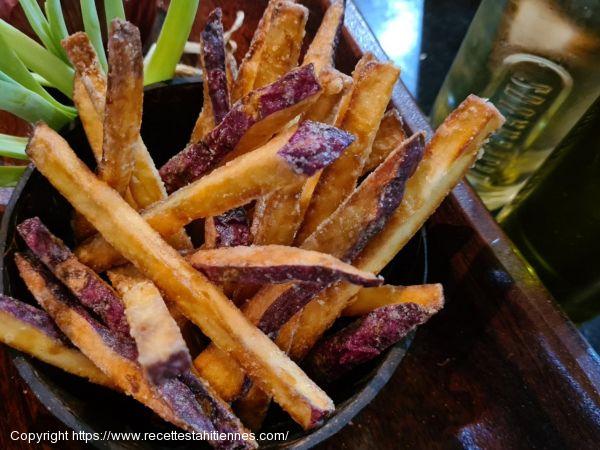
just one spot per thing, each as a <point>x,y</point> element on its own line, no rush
<point>389,135</point>
<point>201,413</point>
<point>449,154</point>
<point>276,264</point>
<point>322,48</point>
<point>365,339</point>
<point>93,339</point>
<point>216,92</point>
<point>223,419</point>
<point>251,122</point>
<point>278,215</point>
<point>90,119</point>
<point>373,83</point>
<point>173,400</point>
<point>197,298</point>
<point>232,227</point>
<point>123,108</point>
<point>366,211</point>
<point>31,330</point>
<point>287,159</point>
<point>345,233</point>
<point>162,352</point>
<point>82,281</point>
<point>283,42</point>
<point>369,299</point>
<point>229,229</point>
<point>213,63</point>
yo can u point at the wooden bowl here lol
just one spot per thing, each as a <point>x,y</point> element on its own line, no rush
<point>169,114</point>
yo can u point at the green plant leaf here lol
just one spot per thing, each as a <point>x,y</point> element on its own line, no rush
<point>40,25</point>
<point>171,41</point>
<point>13,146</point>
<point>38,59</point>
<point>113,9</point>
<point>28,105</point>
<point>10,175</point>
<point>92,28</point>
<point>12,66</point>
<point>58,27</point>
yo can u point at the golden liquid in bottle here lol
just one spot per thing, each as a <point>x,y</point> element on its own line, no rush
<point>555,220</point>
<point>539,62</point>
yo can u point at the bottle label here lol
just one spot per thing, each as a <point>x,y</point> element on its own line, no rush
<point>527,90</point>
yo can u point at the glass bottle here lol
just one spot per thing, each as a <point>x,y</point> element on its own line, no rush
<point>539,62</point>
<point>555,220</point>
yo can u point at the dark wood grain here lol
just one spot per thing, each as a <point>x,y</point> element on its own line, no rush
<point>501,367</point>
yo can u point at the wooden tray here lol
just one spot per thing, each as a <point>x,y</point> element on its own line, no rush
<point>500,367</point>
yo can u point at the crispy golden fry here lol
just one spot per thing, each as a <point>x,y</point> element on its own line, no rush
<point>90,119</point>
<point>146,185</point>
<point>460,136</point>
<point>82,55</point>
<point>283,42</point>
<point>221,371</point>
<point>123,108</point>
<point>339,112</point>
<point>197,298</point>
<point>373,84</point>
<point>32,331</point>
<point>249,66</point>
<point>368,299</point>
<point>147,188</point>
<point>227,187</point>
<point>231,69</point>
<point>344,234</point>
<point>89,92</point>
<point>449,154</point>
<point>278,215</point>
<point>91,338</point>
<point>334,99</point>
<point>162,352</point>
<point>274,49</point>
<point>389,135</point>
<point>322,48</point>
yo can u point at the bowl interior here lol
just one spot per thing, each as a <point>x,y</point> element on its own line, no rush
<point>169,114</point>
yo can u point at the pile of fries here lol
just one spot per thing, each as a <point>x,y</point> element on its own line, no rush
<point>307,186</point>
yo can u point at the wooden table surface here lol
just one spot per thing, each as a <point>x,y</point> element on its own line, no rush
<point>499,367</point>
